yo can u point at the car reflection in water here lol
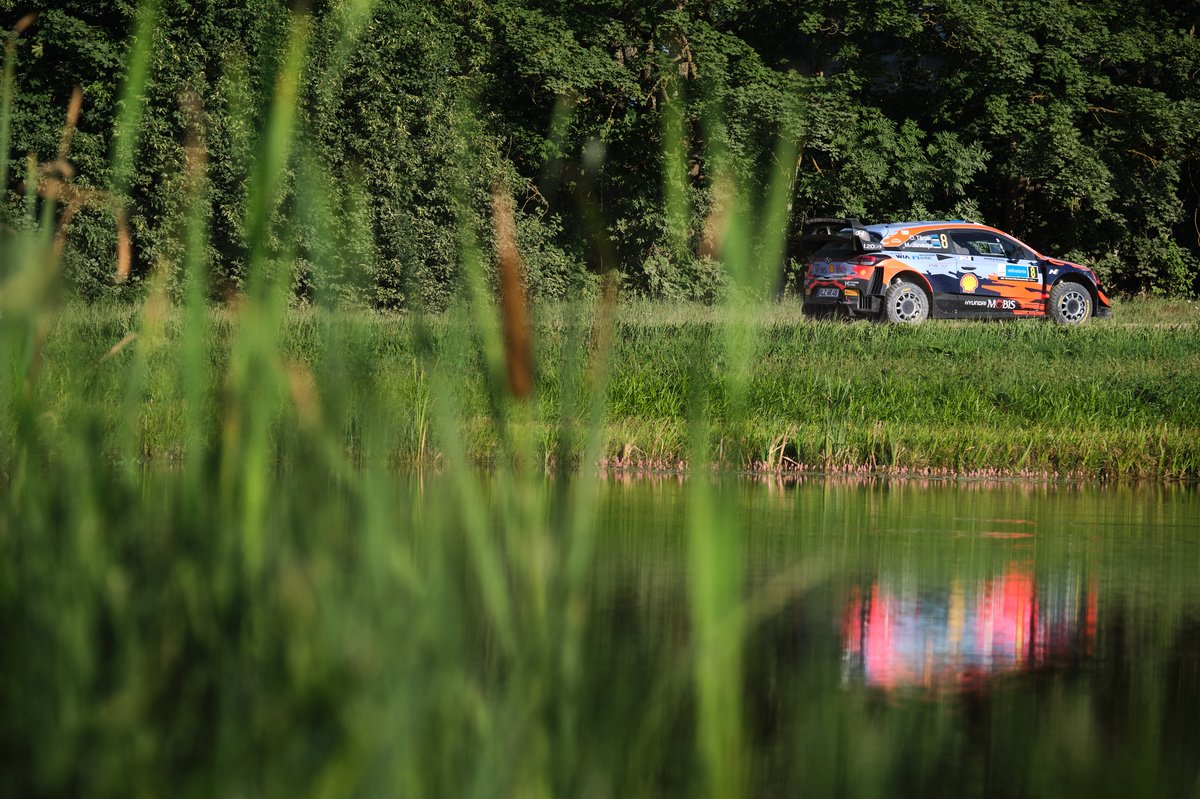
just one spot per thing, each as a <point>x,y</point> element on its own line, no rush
<point>894,636</point>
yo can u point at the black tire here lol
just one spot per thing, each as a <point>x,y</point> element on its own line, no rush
<point>1070,303</point>
<point>905,303</point>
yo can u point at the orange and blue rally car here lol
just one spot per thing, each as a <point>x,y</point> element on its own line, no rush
<point>907,272</point>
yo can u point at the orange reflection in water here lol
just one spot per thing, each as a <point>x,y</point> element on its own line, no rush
<point>899,637</point>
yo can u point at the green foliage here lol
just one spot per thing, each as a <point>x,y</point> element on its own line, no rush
<point>1075,126</point>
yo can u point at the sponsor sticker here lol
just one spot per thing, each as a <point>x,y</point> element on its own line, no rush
<point>968,283</point>
<point>928,241</point>
<point>830,268</point>
<point>992,304</point>
<point>1018,272</point>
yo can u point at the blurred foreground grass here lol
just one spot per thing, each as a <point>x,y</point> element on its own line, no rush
<point>279,614</point>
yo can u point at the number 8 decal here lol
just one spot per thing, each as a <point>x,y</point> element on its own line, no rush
<point>945,242</point>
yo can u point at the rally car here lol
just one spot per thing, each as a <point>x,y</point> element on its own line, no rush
<point>907,272</point>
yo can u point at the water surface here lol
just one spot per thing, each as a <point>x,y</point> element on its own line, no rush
<point>937,638</point>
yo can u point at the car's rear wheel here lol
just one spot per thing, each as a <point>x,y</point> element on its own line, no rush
<point>1070,303</point>
<point>905,303</point>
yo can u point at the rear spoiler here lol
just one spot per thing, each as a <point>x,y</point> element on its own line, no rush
<point>818,232</point>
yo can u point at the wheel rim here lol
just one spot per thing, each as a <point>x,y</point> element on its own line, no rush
<point>1073,305</point>
<point>907,305</point>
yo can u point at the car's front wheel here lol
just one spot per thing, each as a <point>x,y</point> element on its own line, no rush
<point>905,303</point>
<point>1070,303</point>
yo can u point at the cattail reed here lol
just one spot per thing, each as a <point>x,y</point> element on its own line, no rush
<point>518,341</point>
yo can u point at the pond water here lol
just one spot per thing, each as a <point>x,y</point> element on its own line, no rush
<point>938,638</point>
<point>899,638</point>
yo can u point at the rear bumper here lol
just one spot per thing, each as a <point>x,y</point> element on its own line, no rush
<point>862,306</point>
<point>854,296</point>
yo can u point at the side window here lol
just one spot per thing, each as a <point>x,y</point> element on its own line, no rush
<point>979,242</point>
<point>930,241</point>
<point>1015,251</point>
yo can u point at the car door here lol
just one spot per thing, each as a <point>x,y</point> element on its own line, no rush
<point>931,253</point>
<point>1024,278</point>
<point>996,275</point>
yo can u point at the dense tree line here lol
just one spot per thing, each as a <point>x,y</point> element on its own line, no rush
<point>1076,125</point>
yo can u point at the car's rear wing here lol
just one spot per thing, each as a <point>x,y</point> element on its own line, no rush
<point>816,233</point>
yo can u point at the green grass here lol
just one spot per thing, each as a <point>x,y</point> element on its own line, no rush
<point>1115,399</point>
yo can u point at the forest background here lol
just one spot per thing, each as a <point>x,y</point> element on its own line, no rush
<point>1074,125</point>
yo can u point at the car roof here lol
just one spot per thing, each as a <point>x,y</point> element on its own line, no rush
<point>892,233</point>
<point>885,228</point>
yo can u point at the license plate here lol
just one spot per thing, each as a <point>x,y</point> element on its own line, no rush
<point>827,292</point>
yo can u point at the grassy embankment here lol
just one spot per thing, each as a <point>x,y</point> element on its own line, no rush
<point>1116,399</point>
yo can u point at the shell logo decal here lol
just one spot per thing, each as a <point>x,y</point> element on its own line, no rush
<point>968,283</point>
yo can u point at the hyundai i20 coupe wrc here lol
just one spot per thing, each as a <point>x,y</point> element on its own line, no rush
<point>907,272</point>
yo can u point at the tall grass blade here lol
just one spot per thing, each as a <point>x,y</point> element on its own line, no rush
<point>132,99</point>
<point>6,97</point>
